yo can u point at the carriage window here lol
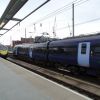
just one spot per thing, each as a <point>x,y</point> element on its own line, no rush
<point>70,50</point>
<point>83,49</point>
<point>40,49</point>
<point>53,50</point>
<point>97,50</point>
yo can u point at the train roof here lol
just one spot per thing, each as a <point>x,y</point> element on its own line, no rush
<point>74,40</point>
<point>86,37</point>
<point>44,44</point>
<point>33,45</point>
<point>23,45</point>
<point>63,42</point>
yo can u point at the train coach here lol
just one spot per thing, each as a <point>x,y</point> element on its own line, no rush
<point>78,55</point>
<point>22,51</point>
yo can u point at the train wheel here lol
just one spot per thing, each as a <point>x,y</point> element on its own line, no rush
<point>82,70</point>
<point>5,57</point>
<point>73,69</point>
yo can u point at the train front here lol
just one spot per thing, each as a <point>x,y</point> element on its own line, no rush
<point>3,51</point>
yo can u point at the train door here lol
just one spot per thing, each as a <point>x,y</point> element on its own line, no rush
<point>16,50</point>
<point>83,54</point>
<point>30,52</point>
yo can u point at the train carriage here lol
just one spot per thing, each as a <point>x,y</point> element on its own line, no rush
<point>39,51</point>
<point>78,54</point>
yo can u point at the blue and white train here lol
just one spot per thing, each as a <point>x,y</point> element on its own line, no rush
<point>79,54</point>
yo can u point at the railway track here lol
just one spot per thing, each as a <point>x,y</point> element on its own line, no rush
<point>87,88</point>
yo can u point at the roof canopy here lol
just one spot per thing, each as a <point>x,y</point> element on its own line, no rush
<point>13,7</point>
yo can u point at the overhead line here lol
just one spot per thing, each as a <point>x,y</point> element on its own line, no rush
<point>89,21</point>
<point>60,10</point>
<point>79,3</point>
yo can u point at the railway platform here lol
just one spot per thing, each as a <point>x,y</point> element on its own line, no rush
<point>17,83</point>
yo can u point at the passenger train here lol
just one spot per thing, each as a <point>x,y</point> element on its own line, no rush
<point>78,55</point>
<point>3,51</point>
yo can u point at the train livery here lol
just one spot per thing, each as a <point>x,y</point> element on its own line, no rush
<point>80,54</point>
<point>3,51</point>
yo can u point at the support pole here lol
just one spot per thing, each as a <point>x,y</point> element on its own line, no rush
<point>73,19</point>
<point>25,35</point>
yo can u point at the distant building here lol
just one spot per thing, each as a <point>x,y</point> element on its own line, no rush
<point>23,40</point>
<point>27,40</point>
<point>40,39</point>
<point>16,42</point>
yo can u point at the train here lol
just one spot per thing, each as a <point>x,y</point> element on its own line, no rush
<point>77,55</point>
<point>3,51</point>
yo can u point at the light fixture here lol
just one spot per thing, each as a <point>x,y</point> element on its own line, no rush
<point>2,24</point>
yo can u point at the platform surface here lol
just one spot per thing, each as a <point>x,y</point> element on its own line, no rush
<point>17,83</point>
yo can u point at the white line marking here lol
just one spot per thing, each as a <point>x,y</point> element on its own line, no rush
<point>68,89</point>
<point>83,96</point>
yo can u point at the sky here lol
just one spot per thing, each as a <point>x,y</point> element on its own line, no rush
<point>57,14</point>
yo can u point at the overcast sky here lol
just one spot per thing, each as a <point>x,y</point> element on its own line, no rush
<point>86,19</point>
